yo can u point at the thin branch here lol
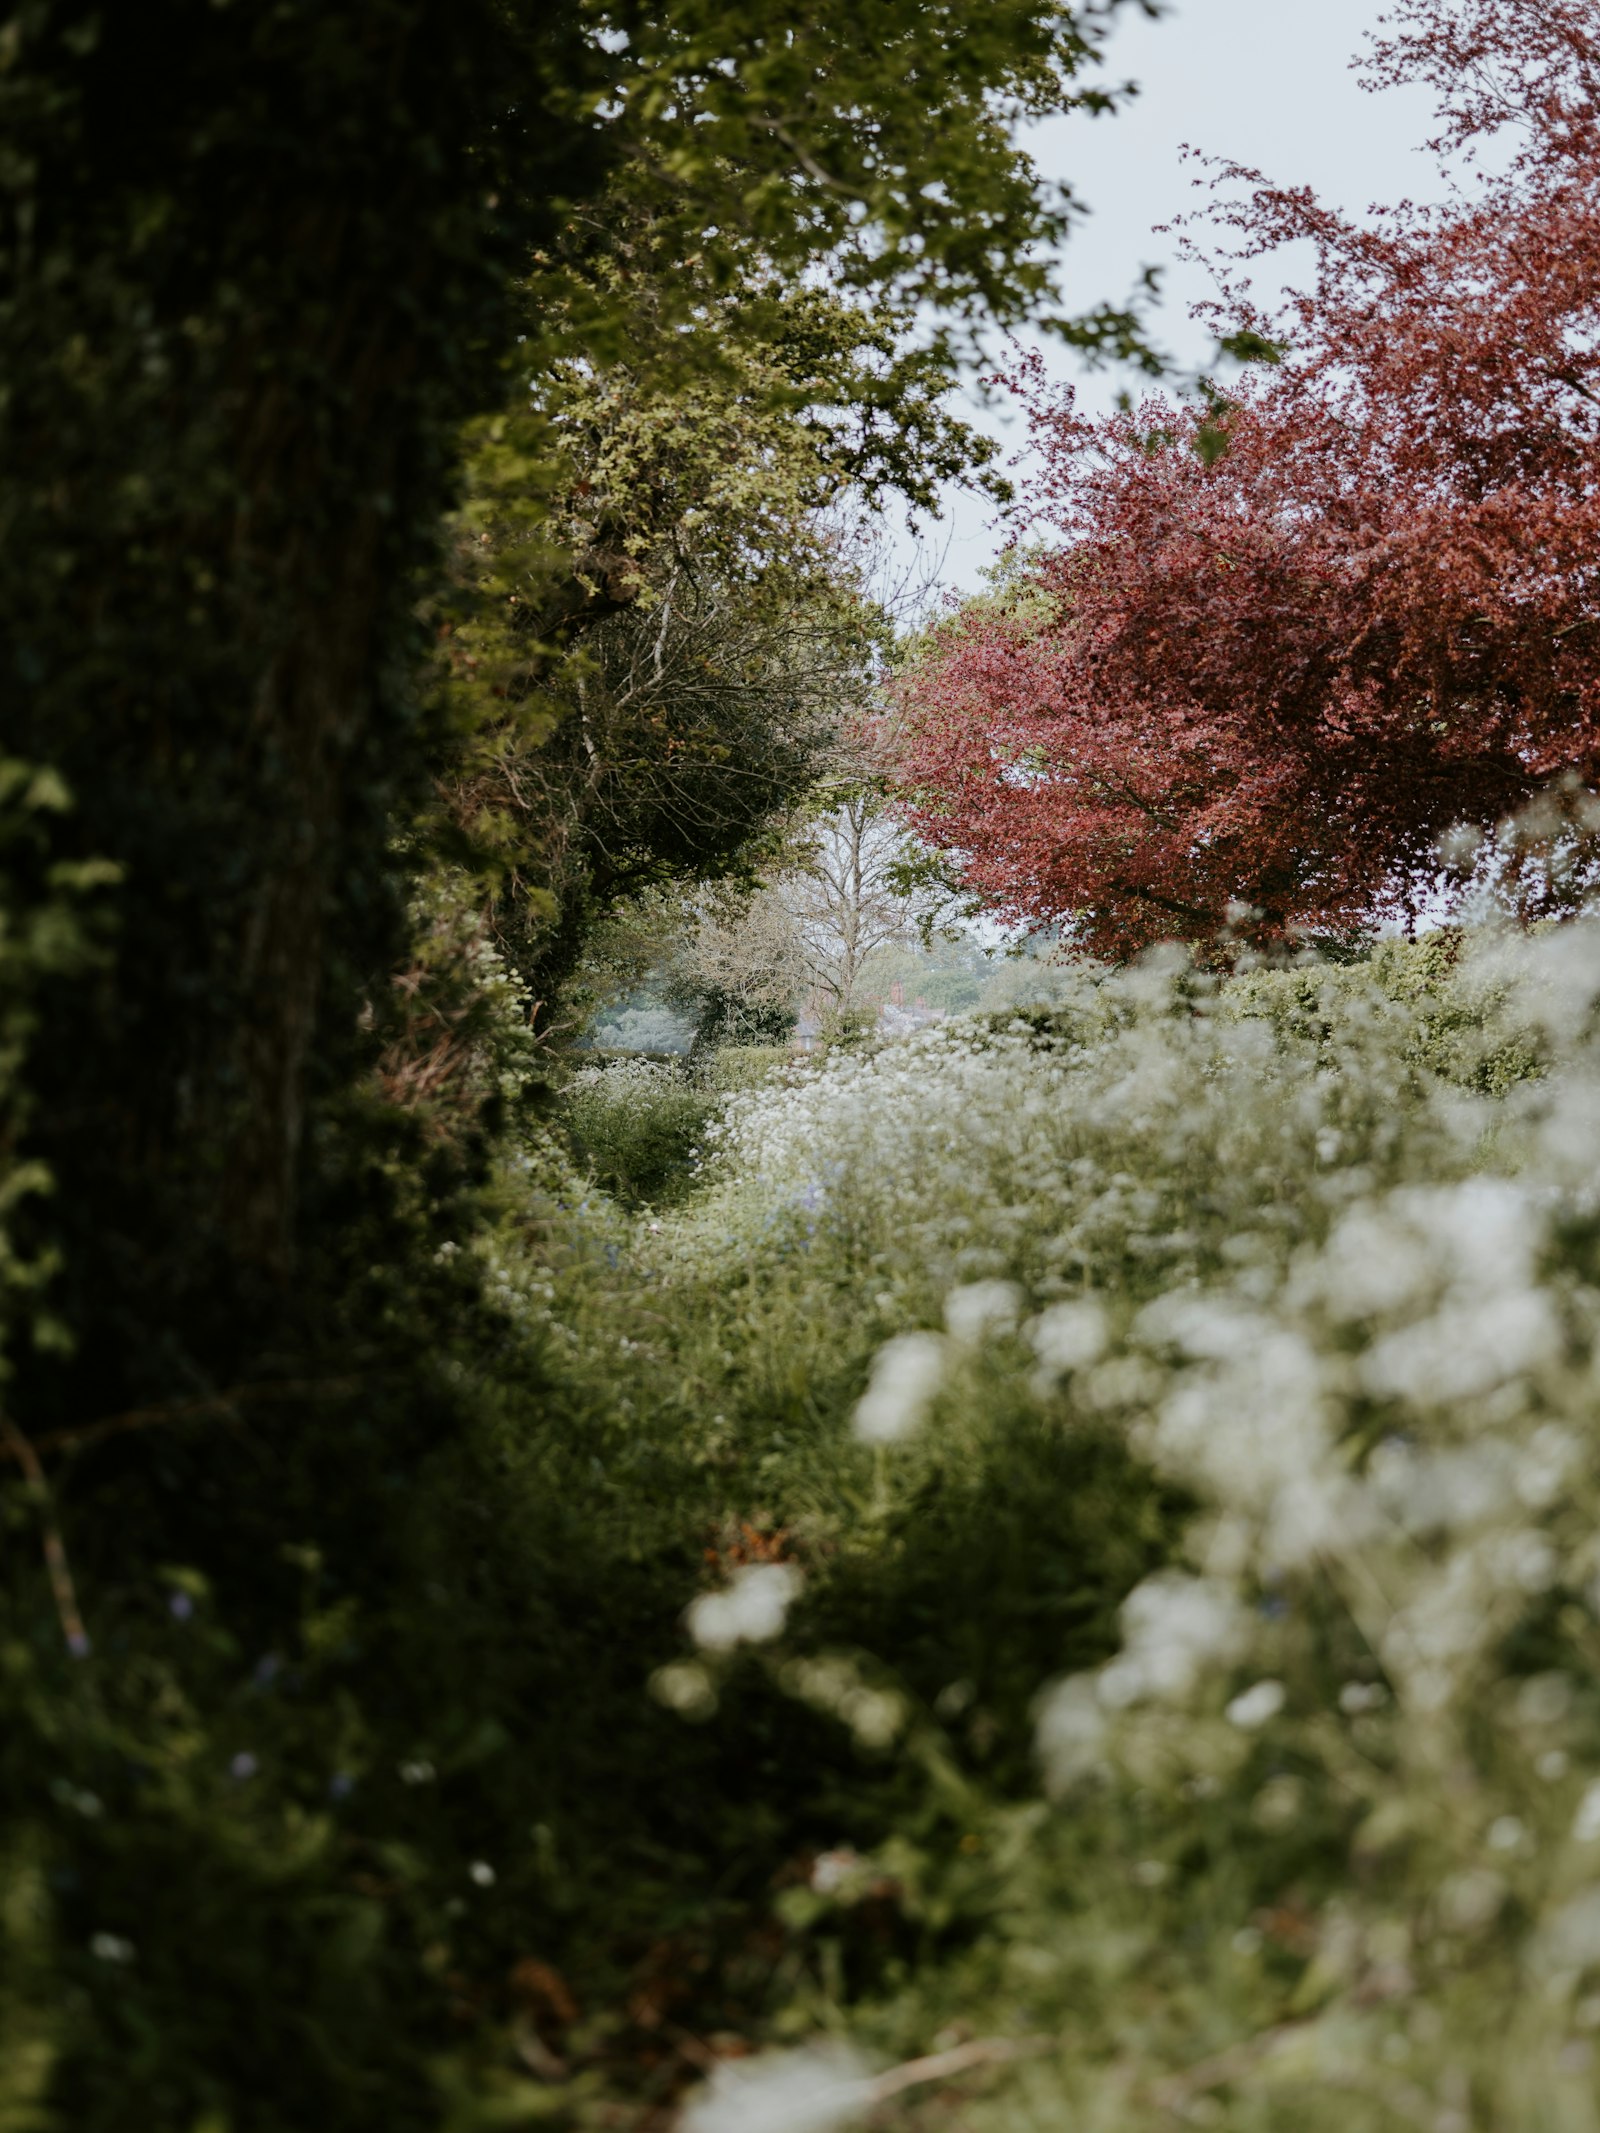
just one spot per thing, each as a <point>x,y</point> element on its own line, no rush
<point>55,1552</point>
<point>807,161</point>
<point>961,2059</point>
<point>16,1446</point>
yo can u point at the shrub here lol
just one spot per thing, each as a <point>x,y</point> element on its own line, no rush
<point>746,1066</point>
<point>637,1123</point>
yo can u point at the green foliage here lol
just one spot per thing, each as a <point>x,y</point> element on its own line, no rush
<point>637,1123</point>
<point>421,1766</point>
<point>889,150</point>
<point>1442,1010</point>
<point>637,694</point>
<point>949,973</point>
<point>746,1066</point>
<point>51,928</point>
<point>222,473</point>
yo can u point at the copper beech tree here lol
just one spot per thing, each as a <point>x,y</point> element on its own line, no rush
<point>1274,645</point>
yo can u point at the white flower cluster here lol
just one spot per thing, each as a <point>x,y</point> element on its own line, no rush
<point>809,2090</point>
<point>1324,1245</point>
<point>628,1084</point>
<point>906,1375</point>
<point>750,1609</point>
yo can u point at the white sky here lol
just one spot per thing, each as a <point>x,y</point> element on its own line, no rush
<point>1266,82</point>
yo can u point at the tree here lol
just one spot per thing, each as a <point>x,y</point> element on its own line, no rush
<point>848,896</point>
<point>663,750</point>
<point>647,684</point>
<point>1286,638</point>
<point>661,614</point>
<point>839,884</point>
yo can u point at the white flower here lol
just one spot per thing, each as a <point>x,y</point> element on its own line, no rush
<point>1479,1240</point>
<point>1251,1424</point>
<point>982,1308</point>
<point>1255,1706</point>
<point>1460,846</point>
<point>1070,1731</point>
<point>1175,1628</point>
<point>1442,1491</point>
<point>1525,1562</point>
<point>1070,1336</point>
<point>685,1687</point>
<point>1358,1696</point>
<point>1323,1510</point>
<point>1571,1939</point>
<point>1465,1349</point>
<point>1544,1699</point>
<point>806,2091</point>
<point>832,1872</point>
<point>875,1716</point>
<point>1370,1263</point>
<point>907,1373</point>
<point>1544,1464</point>
<point>1201,1324</point>
<point>1586,1822</point>
<point>1455,1610</point>
<point>749,1610</point>
<point>1553,979</point>
<point>1569,1131</point>
<point>1471,1899</point>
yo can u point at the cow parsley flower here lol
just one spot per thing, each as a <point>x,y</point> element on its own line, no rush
<point>1255,1707</point>
<point>1175,1629</point>
<point>1070,1336</point>
<point>810,2090</point>
<point>907,1373</point>
<point>751,1609</point>
<point>981,1309</point>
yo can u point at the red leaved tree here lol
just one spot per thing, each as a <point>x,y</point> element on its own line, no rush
<point>1275,647</point>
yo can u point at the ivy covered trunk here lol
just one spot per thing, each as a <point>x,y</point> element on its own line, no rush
<point>256,264</point>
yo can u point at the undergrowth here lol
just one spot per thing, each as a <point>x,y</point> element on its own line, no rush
<point>1046,1570</point>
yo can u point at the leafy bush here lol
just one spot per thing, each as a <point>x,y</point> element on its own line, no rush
<point>747,1066</point>
<point>637,1123</point>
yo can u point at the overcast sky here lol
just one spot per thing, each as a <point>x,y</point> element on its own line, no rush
<point>1266,82</point>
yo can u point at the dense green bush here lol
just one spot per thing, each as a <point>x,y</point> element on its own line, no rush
<point>745,1066</point>
<point>637,1123</point>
